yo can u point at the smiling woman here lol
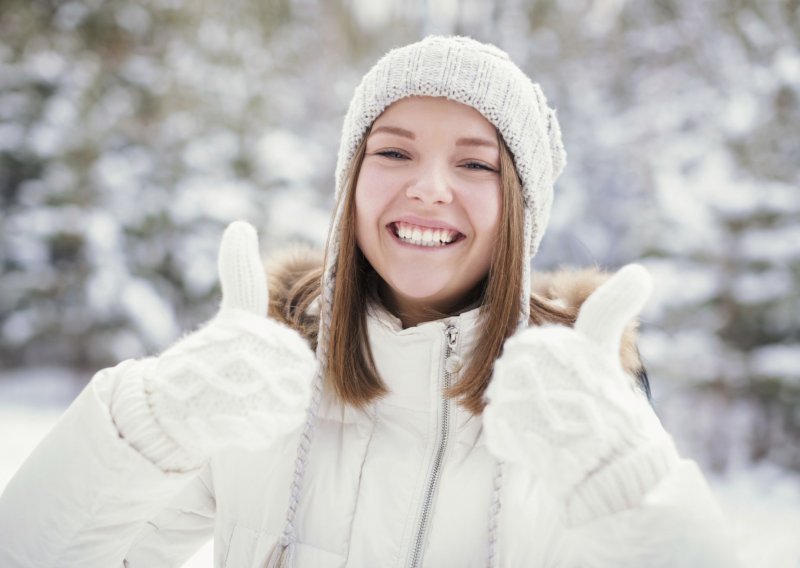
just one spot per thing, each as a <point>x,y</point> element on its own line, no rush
<point>427,205</point>
<point>451,416</point>
<point>460,150</point>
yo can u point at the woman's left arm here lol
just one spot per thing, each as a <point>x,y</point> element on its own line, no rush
<point>561,405</point>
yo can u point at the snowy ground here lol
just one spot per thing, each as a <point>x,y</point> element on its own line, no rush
<point>763,503</point>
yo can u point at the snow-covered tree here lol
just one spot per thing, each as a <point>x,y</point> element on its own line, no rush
<point>132,132</point>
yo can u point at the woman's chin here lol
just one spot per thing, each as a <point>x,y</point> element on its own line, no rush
<point>420,293</point>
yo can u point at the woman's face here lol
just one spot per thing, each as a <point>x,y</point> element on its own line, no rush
<point>428,203</point>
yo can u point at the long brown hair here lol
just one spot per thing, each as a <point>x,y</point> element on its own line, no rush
<point>350,367</point>
<point>500,304</point>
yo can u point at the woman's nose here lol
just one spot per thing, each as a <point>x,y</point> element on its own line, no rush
<point>431,186</point>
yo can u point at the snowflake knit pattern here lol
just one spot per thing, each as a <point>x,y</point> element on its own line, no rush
<point>242,379</point>
<point>560,401</point>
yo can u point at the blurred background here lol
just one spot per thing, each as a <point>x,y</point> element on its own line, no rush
<point>131,133</point>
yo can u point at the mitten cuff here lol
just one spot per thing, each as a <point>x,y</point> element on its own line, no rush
<point>623,483</point>
<point>136,423</point>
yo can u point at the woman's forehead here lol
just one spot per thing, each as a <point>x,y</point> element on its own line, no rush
<point>422,107</point>
<point>417,115</point>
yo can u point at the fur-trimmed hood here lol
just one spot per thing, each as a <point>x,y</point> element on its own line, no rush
<point>566,289</point>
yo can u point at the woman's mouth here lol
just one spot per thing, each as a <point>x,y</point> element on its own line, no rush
<point>424,236</point>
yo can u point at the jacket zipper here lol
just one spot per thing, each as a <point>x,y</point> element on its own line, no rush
<point>449,369</point>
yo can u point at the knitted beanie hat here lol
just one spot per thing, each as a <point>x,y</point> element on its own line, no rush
<point>475,74</point>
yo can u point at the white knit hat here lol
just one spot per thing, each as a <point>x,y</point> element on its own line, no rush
<point>475,74</point>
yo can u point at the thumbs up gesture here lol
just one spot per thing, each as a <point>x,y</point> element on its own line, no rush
<point>242,379</point>
<point>561,403</point>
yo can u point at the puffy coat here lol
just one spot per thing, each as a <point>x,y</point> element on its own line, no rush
<point>86,498</point>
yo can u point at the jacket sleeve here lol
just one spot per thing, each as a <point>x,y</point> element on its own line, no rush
<point>653,509</point>
<point>84,494</point>
<point>179,530</point>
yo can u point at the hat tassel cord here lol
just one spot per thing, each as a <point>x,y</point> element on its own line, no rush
<point>282,556</point>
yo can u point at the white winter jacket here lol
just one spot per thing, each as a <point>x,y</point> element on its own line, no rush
<point>408,480</point>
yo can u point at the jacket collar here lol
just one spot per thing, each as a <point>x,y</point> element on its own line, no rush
<point>409,361</point>
<point>378,313</point>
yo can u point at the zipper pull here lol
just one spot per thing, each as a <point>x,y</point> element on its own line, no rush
<point>453,362</point>
<point>452,336</point>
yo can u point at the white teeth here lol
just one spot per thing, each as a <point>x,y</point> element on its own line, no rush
<point>423,236</point>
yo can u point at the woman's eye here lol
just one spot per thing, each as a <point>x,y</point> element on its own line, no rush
<point>478,166</point>
<point>393,154</point>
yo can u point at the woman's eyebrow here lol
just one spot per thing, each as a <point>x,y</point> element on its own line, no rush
<point>465,141</point>
<point>476,142</point>
<point>394,130</point>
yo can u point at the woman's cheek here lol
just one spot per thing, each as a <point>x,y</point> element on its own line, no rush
<point>483,206</point>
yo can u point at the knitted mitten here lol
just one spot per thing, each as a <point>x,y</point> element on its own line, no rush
<point>242,379</point>
<point>561,403</point>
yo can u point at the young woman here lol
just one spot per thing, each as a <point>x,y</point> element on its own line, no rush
<point>449,417</point>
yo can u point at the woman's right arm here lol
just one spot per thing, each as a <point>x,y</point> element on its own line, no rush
<point>178,531</point>
<point>85,493</point>
<point>140,432</point>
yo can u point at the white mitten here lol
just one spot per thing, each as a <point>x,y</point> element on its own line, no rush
<point>561,403</point>
<point>240,380</point>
